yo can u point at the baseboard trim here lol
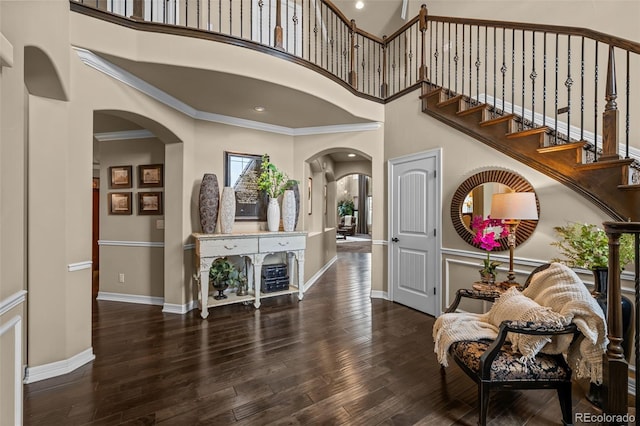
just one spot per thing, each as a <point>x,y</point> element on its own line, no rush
<point>318,274</point>
<point>173,308</point>
<point>130,298</point>
<point>58,368</point>
<point>378,294</point>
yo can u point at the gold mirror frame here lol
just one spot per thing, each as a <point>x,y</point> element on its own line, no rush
<point>511,179</point>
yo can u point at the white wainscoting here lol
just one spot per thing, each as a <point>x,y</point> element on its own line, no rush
<point>15,324</point>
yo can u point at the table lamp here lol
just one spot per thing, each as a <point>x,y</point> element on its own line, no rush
<point>513,207</point>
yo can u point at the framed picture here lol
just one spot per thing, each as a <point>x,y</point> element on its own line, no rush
<point>309,192</point>
<point>150,203</point>
<point>120,177</point>
<point>150,176</point>
<point>241,172</point>
<point>119,202</point>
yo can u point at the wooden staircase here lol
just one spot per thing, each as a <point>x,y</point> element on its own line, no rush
<point>605,182</point>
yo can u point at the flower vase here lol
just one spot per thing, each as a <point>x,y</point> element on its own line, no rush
<point>273,215</point>
<point>288,211</point>
<point>227,210</point>
<point>208,203</point>
<point>487,277</point>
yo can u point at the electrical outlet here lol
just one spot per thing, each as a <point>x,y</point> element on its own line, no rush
<point>121,278</point>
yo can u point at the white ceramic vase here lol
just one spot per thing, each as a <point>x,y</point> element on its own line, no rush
<point>288,211</point>
<point>273,215</point>
<point>227,210</point>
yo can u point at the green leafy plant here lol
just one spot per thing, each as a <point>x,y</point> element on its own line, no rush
<point>587,246</point>
<point>273,181</point>
<point>222,272</point>
<point>346,207</point>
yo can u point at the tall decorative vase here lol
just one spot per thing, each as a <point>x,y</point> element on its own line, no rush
<point>288,211</point>
<point>227,209</point>
<point>296,194</point>
<point>208,203</point>
<point>273,215</point>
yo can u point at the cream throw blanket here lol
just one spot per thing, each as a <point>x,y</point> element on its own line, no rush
<point>562,296</point>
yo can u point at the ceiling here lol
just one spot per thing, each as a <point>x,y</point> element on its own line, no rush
<point>236,96</point>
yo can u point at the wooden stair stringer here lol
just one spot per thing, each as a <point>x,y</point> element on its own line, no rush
<point>618,203</point>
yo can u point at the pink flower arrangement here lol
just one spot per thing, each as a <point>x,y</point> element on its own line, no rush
<point>486,239</point>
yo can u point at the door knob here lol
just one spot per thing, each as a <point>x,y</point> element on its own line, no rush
<point>395,240</point>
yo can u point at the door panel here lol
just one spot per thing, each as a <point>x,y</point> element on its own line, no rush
<point>414,216</point>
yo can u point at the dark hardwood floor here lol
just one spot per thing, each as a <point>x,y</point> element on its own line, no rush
<point>337,357</point>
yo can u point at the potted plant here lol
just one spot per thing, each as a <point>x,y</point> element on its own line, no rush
<point>345,207</point>
<point>273,182</point>
<point>224,274</point>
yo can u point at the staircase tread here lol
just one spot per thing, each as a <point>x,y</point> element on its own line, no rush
<point>449,101</point>
<point>497,120</point>
<point>629,187</point>
<point>528,132</point>
<point>605,164</point>
<point>473,109</point>
<point>562,147</point>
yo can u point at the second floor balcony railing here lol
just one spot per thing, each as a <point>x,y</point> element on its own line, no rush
<point>574,81</point>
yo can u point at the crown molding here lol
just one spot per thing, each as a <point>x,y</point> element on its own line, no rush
<point>102,65</point>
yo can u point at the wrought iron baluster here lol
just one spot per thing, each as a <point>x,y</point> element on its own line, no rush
<point>455,60</point>
<point>533,77</point>
<point>503,69</point>
<point>197,13</point>
<point>431,52</point>
<point>513,71</point>
<point>186,11</point>
<point>556,95</point>
<point>595,107</point>
<point>270,27</point>
<point>478,63</point>
<point>462,74</point>
<point>449,58</point>
<point>260,6</point>
<point>568,83</point>
<point>442,50</point>
<point>627,116</point>
<point>294,19</point>
<point>435,55</point>
<point>220,16</point>
<point>470,60</point>
<point>486,60</point>
<point>544,79</point>
<point>230,17</point>
<point>524,78</point>
<point>286,19</point>
<point>582,89</point>
<point>495,66</point>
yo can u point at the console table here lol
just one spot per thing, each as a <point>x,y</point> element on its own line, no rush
<point>254,247</point>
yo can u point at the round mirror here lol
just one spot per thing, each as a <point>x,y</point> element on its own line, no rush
<point>473,198</point>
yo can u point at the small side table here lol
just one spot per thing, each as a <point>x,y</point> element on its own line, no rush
<point>480,286</point>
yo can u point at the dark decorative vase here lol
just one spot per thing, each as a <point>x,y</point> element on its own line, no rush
<point>600,292</point>
<point>209,202</point>
<point>221,287</point>
<point>487,277</point>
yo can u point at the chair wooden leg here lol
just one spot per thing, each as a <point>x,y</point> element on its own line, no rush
<point>483,403</point>
<point>564,395</point>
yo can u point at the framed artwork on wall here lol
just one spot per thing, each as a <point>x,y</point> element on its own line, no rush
<point>150,176</point>
<point>309,192</point>
<point>149,203</point>
<point>119,202</point>
<point>120,177</point>
<point>241,172</point>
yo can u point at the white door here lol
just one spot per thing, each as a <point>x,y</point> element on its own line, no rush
<point>414,225</point>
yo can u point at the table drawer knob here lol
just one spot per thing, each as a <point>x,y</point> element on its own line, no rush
<point>230,247</point>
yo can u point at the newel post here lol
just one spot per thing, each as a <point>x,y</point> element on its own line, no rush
<point>615,375</point>
<point>277,31</point>
<point>353,76</point>
<point>423,29</point>
<point>384,86</point>
<point>610,114</point>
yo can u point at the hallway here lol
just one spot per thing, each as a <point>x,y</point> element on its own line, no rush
<point>337,357</point>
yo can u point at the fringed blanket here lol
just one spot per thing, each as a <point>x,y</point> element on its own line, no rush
<point>555,295</point>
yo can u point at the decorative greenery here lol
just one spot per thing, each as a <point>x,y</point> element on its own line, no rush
<point>485,236</point>
<point>346,207</point>
<point>587,246</point>
<point>273,181</point>
<point>222,272</point>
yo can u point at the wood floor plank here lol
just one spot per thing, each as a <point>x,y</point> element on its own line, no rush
<point>337,357</point>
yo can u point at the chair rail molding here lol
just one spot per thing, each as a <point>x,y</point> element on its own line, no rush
<point>79,266</point>
<point>12,301</point>
<point>115,243</point>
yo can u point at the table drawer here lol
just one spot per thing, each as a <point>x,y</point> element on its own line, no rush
<point>228,247</point>
<point>282,243</point>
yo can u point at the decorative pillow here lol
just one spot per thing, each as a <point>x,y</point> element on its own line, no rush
<point>514,306</point>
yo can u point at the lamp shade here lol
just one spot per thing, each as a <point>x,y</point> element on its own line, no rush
<point>514,205</point>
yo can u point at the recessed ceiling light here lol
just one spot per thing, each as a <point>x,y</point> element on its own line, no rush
<point>359,4</point>
<point>351,155</point>
<point>259,108</point>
